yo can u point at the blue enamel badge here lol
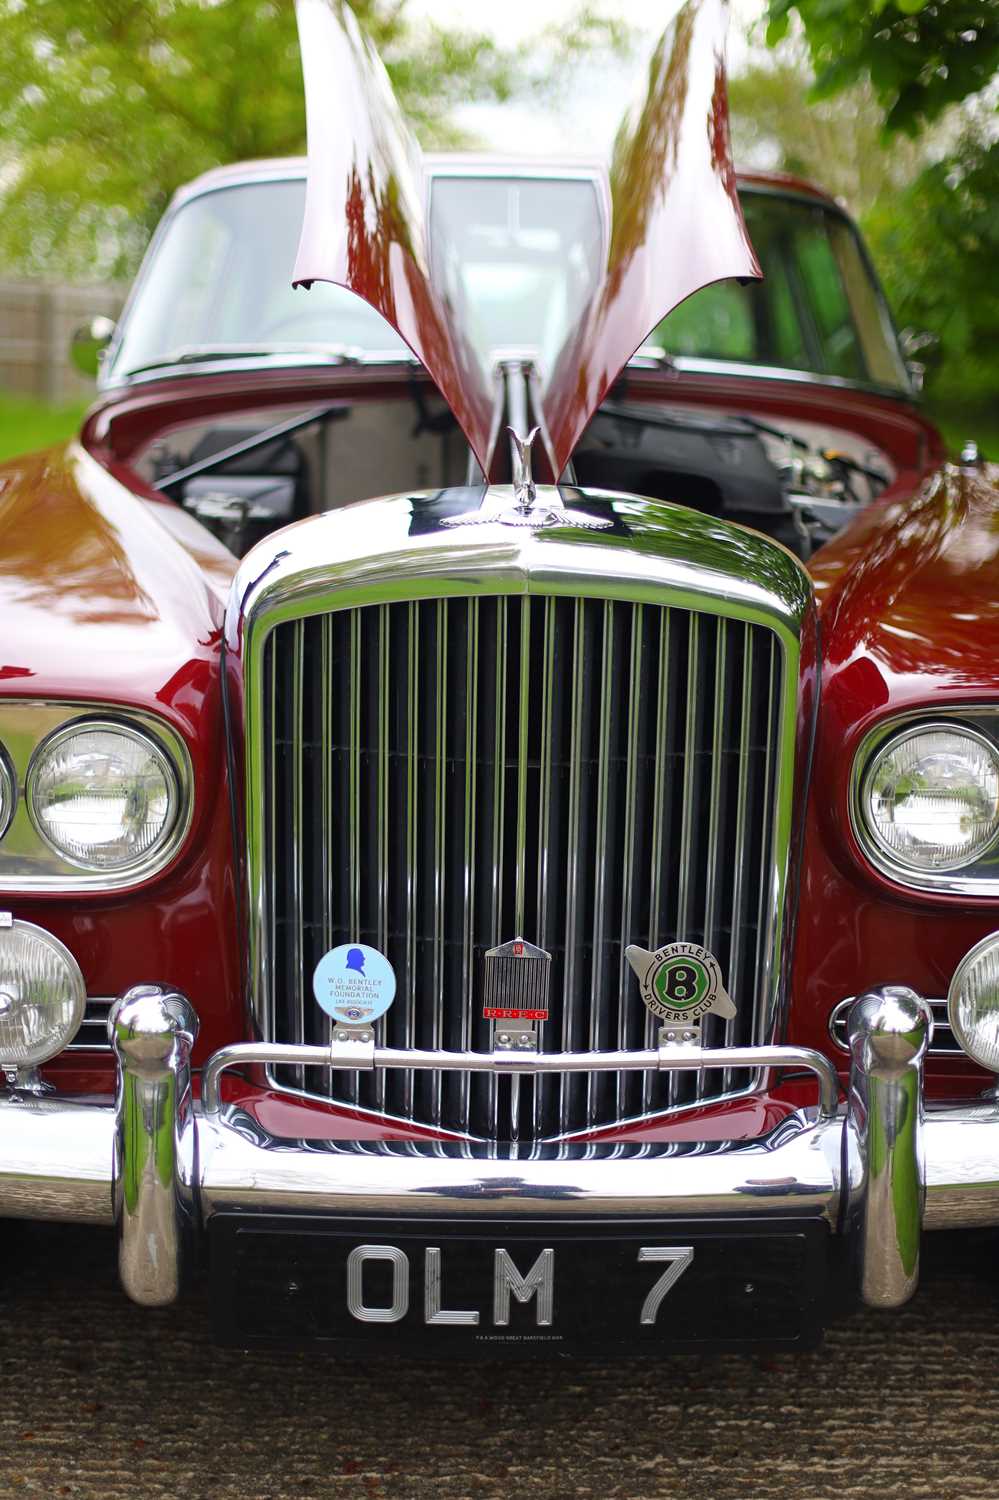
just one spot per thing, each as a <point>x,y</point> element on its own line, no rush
<point>354,984</point>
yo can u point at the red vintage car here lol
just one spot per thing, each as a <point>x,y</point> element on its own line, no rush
<point>552,907</point>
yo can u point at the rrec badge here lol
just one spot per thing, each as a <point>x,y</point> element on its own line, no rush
<point>680,983</point>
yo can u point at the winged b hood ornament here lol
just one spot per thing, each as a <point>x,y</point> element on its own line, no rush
<point>658,224</point>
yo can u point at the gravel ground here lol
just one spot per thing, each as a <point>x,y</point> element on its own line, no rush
<point>100,1398</point>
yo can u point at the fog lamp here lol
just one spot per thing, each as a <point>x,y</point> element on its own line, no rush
<point>930,797</point>
<point>103,796</point>
<point>42,994</point>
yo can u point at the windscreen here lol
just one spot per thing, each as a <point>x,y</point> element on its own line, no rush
<point>218,279</point>
<point>520,257</point>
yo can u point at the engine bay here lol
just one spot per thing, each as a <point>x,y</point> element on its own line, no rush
<point>247,474</point>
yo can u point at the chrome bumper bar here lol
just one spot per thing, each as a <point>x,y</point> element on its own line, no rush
<point>879,1171</point>
<point>349,1052</point>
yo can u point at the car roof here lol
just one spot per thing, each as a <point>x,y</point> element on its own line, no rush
<point>280,168</point>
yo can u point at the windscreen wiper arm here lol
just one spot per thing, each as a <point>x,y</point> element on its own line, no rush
<point>341,354</point>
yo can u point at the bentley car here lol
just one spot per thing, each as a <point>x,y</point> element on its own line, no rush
<point>499,753</point>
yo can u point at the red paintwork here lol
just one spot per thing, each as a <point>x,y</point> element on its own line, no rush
<point>673,223</point>
<point>302,1119</point>
<point>910,606</point>
<point>365,223</point>
<point>123,422</point>
<point>893,423</point>
<point>102,602</point>
<point>675,220</point>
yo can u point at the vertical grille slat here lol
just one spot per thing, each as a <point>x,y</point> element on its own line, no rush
<point>442,775</point>
<point>626,1029</point>
<point>568,1084</point>
<point>466,1019</point>
<point>382,846</point>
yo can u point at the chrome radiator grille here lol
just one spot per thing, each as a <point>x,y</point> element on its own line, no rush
<point>440,776</point>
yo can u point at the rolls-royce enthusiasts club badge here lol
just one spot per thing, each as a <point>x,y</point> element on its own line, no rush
<point>680,983</point>
<point>516,982</point>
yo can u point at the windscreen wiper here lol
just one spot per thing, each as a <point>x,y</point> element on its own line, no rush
<point>341,354</point>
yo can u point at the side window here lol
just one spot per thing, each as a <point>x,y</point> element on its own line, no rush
<point>716,323</point>
<point>788,343</point>
<point>827,302</point>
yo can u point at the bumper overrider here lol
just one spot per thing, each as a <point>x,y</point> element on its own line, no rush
<point>877,1170</point>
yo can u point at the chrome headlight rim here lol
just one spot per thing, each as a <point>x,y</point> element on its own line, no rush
<point>152,860</point>
<point>8,791</point>
<point>975,879</point>
<point>986,944</point>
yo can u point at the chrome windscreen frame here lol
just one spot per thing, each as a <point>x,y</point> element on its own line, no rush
<point>668,556</point>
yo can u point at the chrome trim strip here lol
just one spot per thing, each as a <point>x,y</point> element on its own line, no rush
<point>670,1059</point>
<point>764,945</point>
<point>498,791</point>
<point>688,364</point>
<point>742,794</point>
<point>523,726</point>
<point>28,862</point>
<point>714,871</point>
<point>326,789</point>
<point>440,796</point>
<point>941,1027</point>
<point>297,850</point>
<point>658,820</point>
<point>544,810</point>
<point>598,1006</point>
<point>95,1019</point>
<point>408,996</point>
<point>576,716</point>
<point>981,721</point>
<point>688,800</point>
<point>468,885</point>
<point>382,815</point>
<point>630,818</point>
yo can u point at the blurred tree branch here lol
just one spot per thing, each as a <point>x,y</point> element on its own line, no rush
<point>107,106</point>
<point>901,120</point>
<point>919,56</point>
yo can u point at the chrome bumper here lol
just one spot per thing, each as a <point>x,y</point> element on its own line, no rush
<point>879,1170</point>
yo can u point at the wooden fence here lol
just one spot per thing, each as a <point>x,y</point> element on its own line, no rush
<point>37,320</point>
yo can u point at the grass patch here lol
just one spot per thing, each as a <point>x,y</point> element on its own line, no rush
<point>26,424</point>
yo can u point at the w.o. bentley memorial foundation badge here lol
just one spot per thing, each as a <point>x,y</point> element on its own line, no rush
<point>680,983</point>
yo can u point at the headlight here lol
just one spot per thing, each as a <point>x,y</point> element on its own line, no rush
<point>973,1003</point>
<point>8,794</point>
<point>42,995</point>
<point>930,798</point>
<point>103,796</point>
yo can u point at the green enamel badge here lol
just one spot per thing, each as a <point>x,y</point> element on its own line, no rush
<point>680,983</point>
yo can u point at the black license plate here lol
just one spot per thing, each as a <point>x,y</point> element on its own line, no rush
<point>502,1288</point>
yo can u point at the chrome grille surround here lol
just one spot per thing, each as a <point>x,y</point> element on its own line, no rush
<point>333,600</point>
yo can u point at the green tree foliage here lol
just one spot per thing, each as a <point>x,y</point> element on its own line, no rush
<point>920,56</point>
<point>107,106</point>
<point>835,141</point>
<point>937,245</point>
<point>916,78</point>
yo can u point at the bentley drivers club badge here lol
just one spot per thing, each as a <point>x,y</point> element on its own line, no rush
<point>680,983</point>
